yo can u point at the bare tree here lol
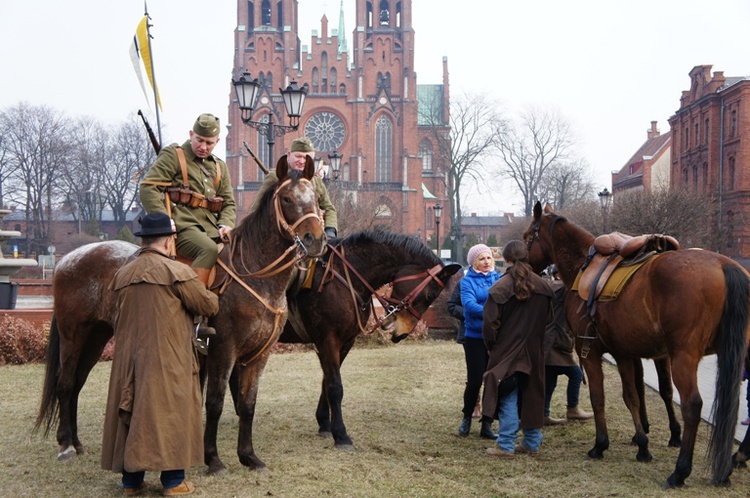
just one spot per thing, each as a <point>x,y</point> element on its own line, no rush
<point>358,210</point>
<point>469,135</point>
<point>130,152</point>
<point>685,215</point>
<point>528,150</point>
<point>37,145</point>
<point>567,183</point>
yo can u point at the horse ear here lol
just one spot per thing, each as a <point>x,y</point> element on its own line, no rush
<point>448,271</point>
<point>309,170</point>
<point>537,210</point>
<point>282,168</point>
<point>548,208</point>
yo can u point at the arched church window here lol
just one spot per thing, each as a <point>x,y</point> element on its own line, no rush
<point>265,13</point>
<point>250,17</point>
<point>315,80</point>
<point>326,131</point>
<point>385,14</point>
<point>333,79</point>
<point>425,152</point>
<point>279,16</point>
<point>383,149</point>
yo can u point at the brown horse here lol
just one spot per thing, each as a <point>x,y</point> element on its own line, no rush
<point>252,312</point>
<point>680,306</point>
<point>332,319</point>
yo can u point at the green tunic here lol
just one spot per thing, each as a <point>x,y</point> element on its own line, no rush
<point>166,168</point>
<point>324,202</point>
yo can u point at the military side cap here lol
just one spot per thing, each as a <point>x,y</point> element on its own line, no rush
<point>207,125</point>
<point>156,225</point>
<point>302,144</point>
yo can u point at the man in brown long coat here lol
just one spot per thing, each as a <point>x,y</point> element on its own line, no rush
<point>153,418</point>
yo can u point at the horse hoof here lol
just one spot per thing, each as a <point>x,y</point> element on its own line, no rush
<point>675,443</point>
<point>644,458</point>
<point>68,455</point>
<point>345,447</point>
<point>325,434</point>
<point>595,454</point>
<point>218,470</point>
<point>673,482</point>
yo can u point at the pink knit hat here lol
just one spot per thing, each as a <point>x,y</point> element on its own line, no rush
<point>475,251</point>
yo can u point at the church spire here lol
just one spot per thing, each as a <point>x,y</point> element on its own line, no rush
<point>342,31</point>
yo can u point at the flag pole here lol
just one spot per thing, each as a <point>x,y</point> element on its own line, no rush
<point>153,73</point>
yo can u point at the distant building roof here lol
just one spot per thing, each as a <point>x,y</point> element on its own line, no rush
<point>65,215</point>
<point>426,192</point>
<point>478,221</point>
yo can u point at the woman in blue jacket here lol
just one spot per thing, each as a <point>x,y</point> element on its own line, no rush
<point>475,287</point>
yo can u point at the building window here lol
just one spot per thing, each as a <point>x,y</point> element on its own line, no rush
<point>695,178</point>
<point>684,177</point>
<point>425,152</point>
<point>730,174</point>
<point>705,132</point>
<point>705,177</point>
<point>697,135</point>
<point>733,125</point>
<point>385,14</point>
<point>265,13</point>
<point>383,149</point>
<point>315,79</point>
<point>280,16</point>
<point>687,137</point>
<point>333,79</point>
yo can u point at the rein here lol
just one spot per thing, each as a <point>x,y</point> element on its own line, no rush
<point>389,304</point>
<point>270,270</point>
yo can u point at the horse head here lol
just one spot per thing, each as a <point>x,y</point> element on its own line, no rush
<point>538,237</point>
<point>296,208</point>
<point>412,292</point>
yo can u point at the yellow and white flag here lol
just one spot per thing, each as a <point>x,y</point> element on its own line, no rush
<point>141,54</point>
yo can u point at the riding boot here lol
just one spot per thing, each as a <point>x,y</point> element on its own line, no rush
<point>203,329</point>
<point>575,413</point>
<point>486,431</point>
<point>463,429</point>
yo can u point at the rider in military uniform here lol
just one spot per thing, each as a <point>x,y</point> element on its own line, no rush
<point>203,208</point>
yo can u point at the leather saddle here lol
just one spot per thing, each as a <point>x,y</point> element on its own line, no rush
<point>615,251</point>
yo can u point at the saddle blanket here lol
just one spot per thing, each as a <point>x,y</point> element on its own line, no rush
<point>616,282</point>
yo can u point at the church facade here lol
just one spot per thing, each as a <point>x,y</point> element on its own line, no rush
<point>363,103</point>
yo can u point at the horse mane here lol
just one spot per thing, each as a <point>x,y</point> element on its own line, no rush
<point>412,246</point>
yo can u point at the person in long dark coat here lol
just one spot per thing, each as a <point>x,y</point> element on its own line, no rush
<point>153,419</point>
<point>516,313</point>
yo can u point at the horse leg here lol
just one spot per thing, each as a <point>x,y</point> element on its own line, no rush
<point>593,366</point>
<point>331,356</point>
<point>640,387</point>
<point>631,395</point>
<point>664,373</point>
<point>216,383</point>
<point>75,367</point>
<point>248,380</point>
<point>685,378</point>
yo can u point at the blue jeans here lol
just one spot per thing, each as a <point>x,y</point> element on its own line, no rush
<point>507,415</point>
<point>169,478</point>
<point>575,376</point>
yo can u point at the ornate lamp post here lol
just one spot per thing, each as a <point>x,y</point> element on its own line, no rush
<point>605,198</point>
<point>437,210</point>
<point>335,159</point>
<point>247,89</point>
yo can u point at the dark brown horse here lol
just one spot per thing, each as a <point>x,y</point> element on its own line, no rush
<point>331,319</point>
<point>679,306</point>
<point>252,313</point>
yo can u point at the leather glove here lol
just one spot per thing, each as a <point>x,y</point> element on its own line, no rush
<point>330,232</point>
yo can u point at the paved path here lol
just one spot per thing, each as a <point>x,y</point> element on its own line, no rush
<point>706,385</point>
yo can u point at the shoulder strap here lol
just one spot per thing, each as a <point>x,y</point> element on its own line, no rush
<point>183,166</point>
<point>217,179</point>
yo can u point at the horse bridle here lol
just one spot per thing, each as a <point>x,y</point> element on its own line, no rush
<point>535,227</point>
<point>284,228</point>
<point>390,305</point>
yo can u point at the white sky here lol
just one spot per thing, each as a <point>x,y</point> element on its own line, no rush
<point>610,68</point>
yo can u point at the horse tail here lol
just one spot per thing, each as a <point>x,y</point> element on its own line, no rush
<point>731,352</point>
<point>48,408</point>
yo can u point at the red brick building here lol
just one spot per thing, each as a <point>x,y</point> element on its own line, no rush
<point>649,167</point>
<point>711,150</point>
<point>364,104</point>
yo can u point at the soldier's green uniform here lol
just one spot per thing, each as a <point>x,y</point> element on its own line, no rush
<point>198,228</point>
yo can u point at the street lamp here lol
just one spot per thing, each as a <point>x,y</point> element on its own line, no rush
<point>437,210</point>
<point>335,159</point>
<point>247,89</point>
<point>605,198</point>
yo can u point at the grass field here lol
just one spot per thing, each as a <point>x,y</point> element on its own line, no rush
<point>402,408</point>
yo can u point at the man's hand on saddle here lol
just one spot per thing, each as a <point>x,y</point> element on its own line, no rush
<point>225,233</point>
